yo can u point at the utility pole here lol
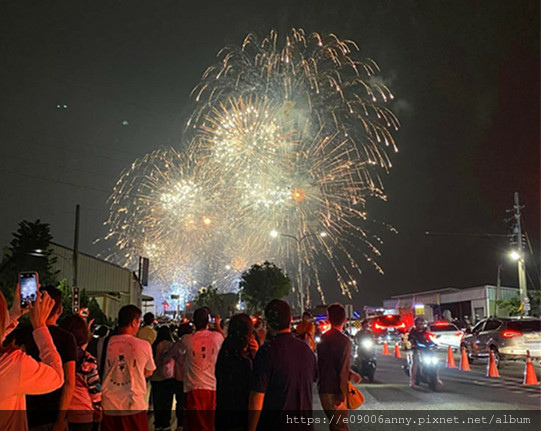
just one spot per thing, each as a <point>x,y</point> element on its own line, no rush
<point>517,231</point>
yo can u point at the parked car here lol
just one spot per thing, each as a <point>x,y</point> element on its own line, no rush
<point>508,338</point>
<point>444,334</point>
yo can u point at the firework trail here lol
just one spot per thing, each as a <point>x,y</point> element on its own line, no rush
<point>287,136</point>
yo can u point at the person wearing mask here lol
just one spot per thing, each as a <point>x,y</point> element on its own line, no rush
<point>162,386</point>
<point>49,411</point>
<point>306,330</point>
<point>128,362</point>
<point>85,407</point>
<point>20,373</point>
<point>201,350</point>
<point>233,369</point>
<point>283,374</point>
<point>176,355</point>
<point>334,353</point>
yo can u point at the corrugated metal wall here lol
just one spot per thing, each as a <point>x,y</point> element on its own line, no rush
<point>115,286</point>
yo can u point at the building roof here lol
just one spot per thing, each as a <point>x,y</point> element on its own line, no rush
<point>427,292</point>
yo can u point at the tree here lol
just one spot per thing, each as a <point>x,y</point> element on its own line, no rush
<point>262,283</point>
<point>29,251</point>
<point>222,304</point>
<point>513,305</point>
<point>85,301</point>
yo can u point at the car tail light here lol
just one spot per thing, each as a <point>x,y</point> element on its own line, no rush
<point>510,333</point>
<point>430,335</point>
<point>378,326</point>
<point>459,334</point>
<point>441,323</point>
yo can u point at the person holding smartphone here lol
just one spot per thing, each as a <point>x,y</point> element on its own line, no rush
<point>20,374</point>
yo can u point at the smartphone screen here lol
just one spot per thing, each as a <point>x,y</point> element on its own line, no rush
<point>29,287</point>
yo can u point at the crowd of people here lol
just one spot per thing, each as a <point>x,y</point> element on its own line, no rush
<point>243,375</point>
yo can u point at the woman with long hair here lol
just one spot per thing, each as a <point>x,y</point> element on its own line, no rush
<point>233,369</point>
<point>162,385</point>
<point>85,407</point>
<point>20,374</point>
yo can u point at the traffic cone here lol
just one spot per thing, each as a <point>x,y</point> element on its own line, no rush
<point>492,369</point>
<point>529,373</point>
<point>385,348</point>
<point>450,358</point>
<point>397,351</point>
<point>464,362</point>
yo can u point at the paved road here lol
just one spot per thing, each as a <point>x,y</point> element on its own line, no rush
<point>390,394</point>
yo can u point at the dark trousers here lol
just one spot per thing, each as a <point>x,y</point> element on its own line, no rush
<point>163,402</point>
<point>180,398</point>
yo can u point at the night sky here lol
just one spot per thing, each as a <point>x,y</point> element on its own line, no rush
<point>465,75</point>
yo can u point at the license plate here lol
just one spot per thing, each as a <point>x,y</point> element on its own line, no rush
<point>390,330</point>
<point>532,337</point>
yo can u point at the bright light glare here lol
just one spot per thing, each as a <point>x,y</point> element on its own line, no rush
<point>274,233</point>
<point>367,344</point>
<point>515,255</point>
<point>323,234</point>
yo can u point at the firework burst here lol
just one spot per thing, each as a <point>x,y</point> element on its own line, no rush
<point>288,136</point>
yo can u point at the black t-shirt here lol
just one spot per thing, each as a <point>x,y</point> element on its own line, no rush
<point>43,409</point>
<point>333,356</point>
<point>232,388</point>
<point>284,370</point>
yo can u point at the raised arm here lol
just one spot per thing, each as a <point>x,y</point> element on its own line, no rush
<point>45,376</point>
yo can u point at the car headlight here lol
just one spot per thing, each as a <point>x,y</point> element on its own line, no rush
<point>367,344</point>
<point>318,339</point>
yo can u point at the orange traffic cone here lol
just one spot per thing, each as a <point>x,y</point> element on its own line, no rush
<point>464,362</point>
<point>529,373</point>
<point>385,348</point>
<point>450,358</point>
<point>492,369</point>
<point>397,351</point>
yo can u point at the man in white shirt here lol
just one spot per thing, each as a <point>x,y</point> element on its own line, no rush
<point>128,362</point>
<point>201,350</point>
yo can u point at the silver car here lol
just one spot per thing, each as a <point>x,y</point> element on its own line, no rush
<point>508,338</point>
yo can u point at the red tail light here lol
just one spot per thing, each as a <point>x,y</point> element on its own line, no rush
<point>378,326</point>
<point>458,334</point>
<point>510,333</point>
<point>441,323</point>
<point>430,335</point>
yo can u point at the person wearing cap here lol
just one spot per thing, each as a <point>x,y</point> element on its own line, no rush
<point>283,374</point>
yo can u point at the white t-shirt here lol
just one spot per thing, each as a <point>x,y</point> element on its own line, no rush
<point>201,354</point>
<point>124,384</point>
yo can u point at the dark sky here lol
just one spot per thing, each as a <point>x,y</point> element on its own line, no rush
<point>465,74</point>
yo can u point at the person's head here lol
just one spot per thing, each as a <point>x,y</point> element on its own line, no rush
<point>364,324</point>
<point>56,295</point>
<point>278,315</point>
<point>76,325</point>
<point>201,318</point>
<point>306,316</point>
<point>129,318</point>
<point>337,314</point>
<point>184,328</point>
<point>148,319</point>
<point>419,323</point>
<point>164,334</point>
<point>240,331</point>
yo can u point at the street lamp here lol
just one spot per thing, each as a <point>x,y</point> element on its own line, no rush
<point>274,234</point>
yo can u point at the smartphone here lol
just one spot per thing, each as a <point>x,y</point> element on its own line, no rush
<point>29,282</point>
